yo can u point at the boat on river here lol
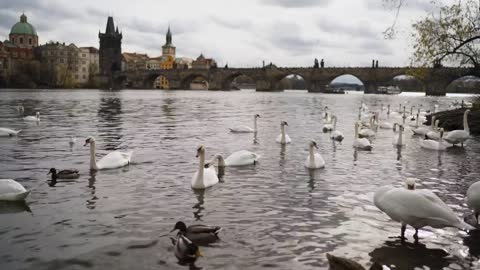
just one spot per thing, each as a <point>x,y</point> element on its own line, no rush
<point>389,90</point>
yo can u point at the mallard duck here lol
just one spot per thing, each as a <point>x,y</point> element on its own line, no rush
<point>64,174</point>
<point>185,250</point>
<point>198,233</point>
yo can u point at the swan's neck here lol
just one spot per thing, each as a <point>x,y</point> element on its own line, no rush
<point>416,122</point>
<point>388,110</point>
<point>201,168</point>
<point>432,124</point>
<point>411,110</point>
<point>399,108</point>
<point>312,155</point>
<point>356,131</point>
<point>400,139</point>
<point>93,163</point>
<point>360,113</point>
<point>255,124</point>
<point>221,161</point>
<point>334,123</point>
<point>282,139</point>
<point>465,122</point>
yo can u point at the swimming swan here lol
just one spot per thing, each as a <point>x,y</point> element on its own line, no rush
<point>336,135</point>
<point>459,136</point>
<point>246,129</point>
<point>112,160</point>
<point>398,140</point>
<point>205,176</point>
<point>239,158</point>
<point>314,160</point>
<point>473,199</point>
<point>6,132</point>
<point>435,145</point>
<point>417,208</point>
<point>361,143</point>
<point>31,118</point>
<point>11,190</point>
<point>283,138</point>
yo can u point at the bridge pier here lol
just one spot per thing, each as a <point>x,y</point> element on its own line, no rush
<point>370,87</point>
<point>436,89</point>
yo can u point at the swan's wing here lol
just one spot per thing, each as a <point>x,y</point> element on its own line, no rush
<point>241,129</point>
<point>113,159</point>
<point>10,186</point>
<point>456,136</point>
<point>319,161</point>
<point>210,177</point>
<point>287,139</point>
<point>241,158</point>
<point>473,196</point>
<point>279,138</point>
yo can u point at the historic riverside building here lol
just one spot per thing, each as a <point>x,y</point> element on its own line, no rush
<point>68,65</point>
<point>204,63</point>
<point>110,49</point>
<point>166,61</point>
<point>22,41</point>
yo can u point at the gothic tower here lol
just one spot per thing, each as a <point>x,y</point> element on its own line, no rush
<point>168,49</point>
<point>110,49</point>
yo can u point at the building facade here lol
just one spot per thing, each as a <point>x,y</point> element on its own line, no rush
<point>204,63</point>
<point>110,51</point>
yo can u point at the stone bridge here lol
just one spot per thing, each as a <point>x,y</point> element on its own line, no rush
<point>434,80</point>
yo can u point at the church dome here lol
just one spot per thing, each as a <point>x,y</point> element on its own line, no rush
<point>23,27</point>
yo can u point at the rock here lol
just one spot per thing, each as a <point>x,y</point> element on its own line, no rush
<point>339,263</point>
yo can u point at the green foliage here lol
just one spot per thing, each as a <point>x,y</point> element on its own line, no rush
<point>450,34</point>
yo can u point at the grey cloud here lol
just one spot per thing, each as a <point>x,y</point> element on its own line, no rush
<point>372,47</point>
<point>297,3</point>
<point>360,29</point>
<point>233,24</point>
<point>287,36</point>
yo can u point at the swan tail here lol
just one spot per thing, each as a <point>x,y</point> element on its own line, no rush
<point>462,225</point>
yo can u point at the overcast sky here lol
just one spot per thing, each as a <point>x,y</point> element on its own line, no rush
<point>242,33</point>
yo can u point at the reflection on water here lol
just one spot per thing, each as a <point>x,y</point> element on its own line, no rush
<point>276,214</point>
<point>13,207</point>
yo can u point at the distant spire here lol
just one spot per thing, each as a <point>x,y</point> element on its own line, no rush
<point>116,30</point>
<point>169,37</point>
<point>110,26</point>
<point>23,18</point>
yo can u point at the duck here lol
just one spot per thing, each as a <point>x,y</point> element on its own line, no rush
<point>31,118</point>
<point>205,176</point>
<point>314,160</point>
<point>185,250</point>
<point>473,199</point>
<point>246,129</point>
<point>417,208</point>
<point>336,135</point>
<point>64,174</point>
<point>361,143</point>
<point>433,144</point>
<point>459,136</point>
<point>283,138</point>
<point>398,140</point>
<point>11,190</point>
<point>112,160</point>
<point>239,158</point>
<point>198,233</point>
<point>6,132</point>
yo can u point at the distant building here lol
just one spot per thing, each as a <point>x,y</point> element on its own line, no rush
<point>204,63</point>
<point>68,65</point>
<point>110,49</point>
<point>183,63</point>
<point>134,62</point>
<point>23,34</point>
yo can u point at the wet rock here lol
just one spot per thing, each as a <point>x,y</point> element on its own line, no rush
<point>339,263</point>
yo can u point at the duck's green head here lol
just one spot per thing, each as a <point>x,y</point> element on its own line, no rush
<point>52,171</point>
<point>181,226</point>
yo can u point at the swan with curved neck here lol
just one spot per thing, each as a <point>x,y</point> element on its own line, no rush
<point>434,134</point>
<point>433,144</point>
<point>314,160</point>
<point>336,135</point>
<point>459,136</point>
<point>246,129</point>
<point>112,160</point>
<point>361,143</point>
<point>417,208</point>
<point>35,118</point>
<point>283,138</point>
<point>368,132</point>
<point>239,158</point>
<point>205,176</point>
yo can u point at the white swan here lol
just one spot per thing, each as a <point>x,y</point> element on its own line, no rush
<point>368,132</point>
<point>31,118</point>
<point>459,136</point>
<point>246,129</point>
<point>473,199</point>
<point>205,176</point>
<point>314,160</point>
<point>361,143</point>
<point>112,160</point>
<point>239,158</point>
<point>422,131</point>
<point>6,132</point>
<point>417,208</point>
<point>435,145</point>
<point>398,140</point>
<point>283,138</point>
<point>11,190</point>
<point>336,135</point>
<point>435,133</point>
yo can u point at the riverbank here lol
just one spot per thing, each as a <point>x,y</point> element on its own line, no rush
<point>452,120</point>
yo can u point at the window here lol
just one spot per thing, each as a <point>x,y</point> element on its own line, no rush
<point>84,69</point>
<point>84,55</point>
<point>76,76</point>
<point>84,76</point>
<point>21,40</point>
<point>83,62</point>
<point>30,41</point>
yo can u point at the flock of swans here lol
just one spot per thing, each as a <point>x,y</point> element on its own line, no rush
<point>407,205</point>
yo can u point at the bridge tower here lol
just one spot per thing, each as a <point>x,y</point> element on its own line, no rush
<point>110,49</point>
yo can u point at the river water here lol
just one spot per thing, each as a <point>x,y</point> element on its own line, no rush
<point>275,215</point>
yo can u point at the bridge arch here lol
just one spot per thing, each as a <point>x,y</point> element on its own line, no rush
<point>157,80</point>
<point>407,83</point>
<point>348,79</point>
<point>291,80</point>
<point>229,80</point>
<point>195,81</point>
<point>465,84</point>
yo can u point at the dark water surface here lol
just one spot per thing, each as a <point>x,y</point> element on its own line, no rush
<point>276,215</point>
